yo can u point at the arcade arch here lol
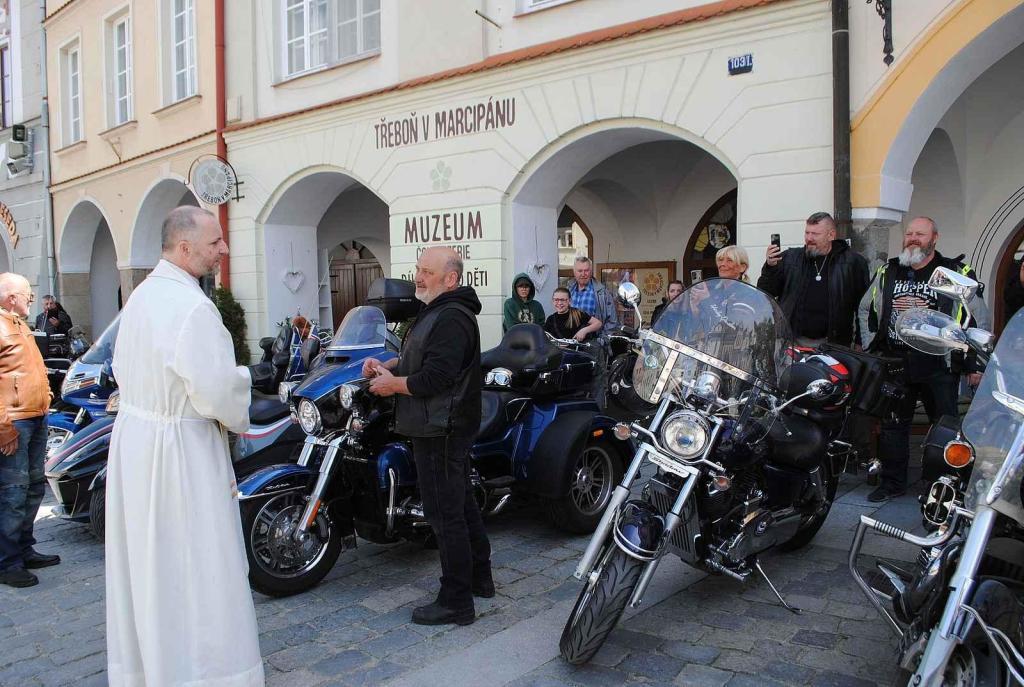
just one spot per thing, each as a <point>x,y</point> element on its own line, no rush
<point>90,287</point>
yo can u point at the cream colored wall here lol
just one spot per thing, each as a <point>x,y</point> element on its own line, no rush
<point>155,127</point>
<point>417,39</point>
<point>770,128</point>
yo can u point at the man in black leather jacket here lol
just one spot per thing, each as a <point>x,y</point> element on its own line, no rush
<point>818,286</point>
<point>53,319</point>
<point>436,383</point>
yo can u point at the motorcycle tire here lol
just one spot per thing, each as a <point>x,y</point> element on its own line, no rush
<point>599,606</point>
<point>598,469</point>
<point>261,578</point>
<point>98,513</point>
<point>810,526</point>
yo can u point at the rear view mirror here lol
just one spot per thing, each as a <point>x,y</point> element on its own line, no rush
<point>953,284</point>
<point>931,331</point>
<point>629,294</point>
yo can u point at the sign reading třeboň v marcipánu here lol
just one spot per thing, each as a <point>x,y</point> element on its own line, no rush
<point>413,128</point>
<point>473,232</point>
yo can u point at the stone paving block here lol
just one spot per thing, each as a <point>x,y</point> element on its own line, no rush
<point>702,676</point>
<point>726,639</point>
<point>295,657</point>
<point>345,636</point>
<point>850,611</point>
<point>691,653</point>
<point>561,553</point>
<point>563,570</point>
<point>739,661</point>
<point>503,576</point>
<point>831,660</point>
<point>776,650</point>
<point>295,678</point>
<point>78,650</point>
<point>389,643</point>
<point>342,662</point>
<point>824,640</point>
<point>635,640</point>
<point>372,676</point>
<point>589,675</point>
<point>538,681</point>
<point>528,586</point>
<point>70,673</point>
<point>388,621</point>
<point>752,681</point>
<point>789,672</point>
<point>610,655</point>
<point>530,564</point>
<point>834,679</point>
<point>652,666</point>
<point>872,649</point>
<point>389,599</point>
<point>21,653</point>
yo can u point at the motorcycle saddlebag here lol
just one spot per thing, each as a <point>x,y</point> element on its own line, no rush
<point>877,389</point>
<point>933,464</point>
<point>395,297</point>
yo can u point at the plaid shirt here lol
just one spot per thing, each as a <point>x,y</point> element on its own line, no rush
<point>584,299</point>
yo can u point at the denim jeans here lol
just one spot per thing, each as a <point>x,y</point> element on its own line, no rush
<point>442,466</point>
<point>939,395</point>
<point>21,491</point>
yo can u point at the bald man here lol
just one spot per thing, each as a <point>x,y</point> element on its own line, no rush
<point>24,403</point>
<point>436,382</point>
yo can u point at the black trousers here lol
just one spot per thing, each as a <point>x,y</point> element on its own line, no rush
<point>442,466</point>
<point>939,395</point>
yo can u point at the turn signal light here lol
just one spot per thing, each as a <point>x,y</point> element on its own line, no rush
<point>621,431</point>
<point>958,454</point>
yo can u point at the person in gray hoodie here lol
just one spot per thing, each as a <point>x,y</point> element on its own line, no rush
<point>521,307</point>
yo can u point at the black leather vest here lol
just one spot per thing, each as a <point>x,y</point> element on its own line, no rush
<point>456,413</point>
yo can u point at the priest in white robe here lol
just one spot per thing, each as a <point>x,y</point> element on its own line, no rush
<point>179,609</point>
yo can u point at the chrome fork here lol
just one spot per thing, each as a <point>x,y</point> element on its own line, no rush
<point>313,505</point>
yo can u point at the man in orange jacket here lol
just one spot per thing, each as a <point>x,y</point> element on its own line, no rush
<point>24,404</point>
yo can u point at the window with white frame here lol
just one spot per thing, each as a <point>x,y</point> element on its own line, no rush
<point>6,88</point>
<point>71,91</point>
<point>183,49</point>
<point>319,33</point>
<point>531,5</point>
<point>119,69</point>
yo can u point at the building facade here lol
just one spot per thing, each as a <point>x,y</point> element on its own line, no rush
<point>132,93</point>
<point>25,237</point>
<point>645,135</point>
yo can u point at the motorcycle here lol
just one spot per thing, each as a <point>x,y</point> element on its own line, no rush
<point>286,357</point>
<point>958,612</point>
<point>745,444</point>
<point>540,435</point>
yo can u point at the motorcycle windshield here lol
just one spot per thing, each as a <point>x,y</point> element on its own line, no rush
<point>363,327</point>
<point>994,425</point>
<point>102,350</point>
<point>722,326</point>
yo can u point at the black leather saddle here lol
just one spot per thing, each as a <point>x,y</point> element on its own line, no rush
<point>494,416</point>
<point>524,348</point>
<point>265,410</point>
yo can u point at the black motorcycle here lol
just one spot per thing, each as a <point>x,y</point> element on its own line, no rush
<point>745,444</point>
<point>958,611</point>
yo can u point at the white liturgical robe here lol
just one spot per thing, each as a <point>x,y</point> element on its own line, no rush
<point>179,609</point>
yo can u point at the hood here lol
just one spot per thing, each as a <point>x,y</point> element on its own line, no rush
<point>521,277</point>
<point>463,295</point>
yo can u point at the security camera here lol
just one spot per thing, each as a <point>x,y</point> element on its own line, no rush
<point>20,165</point>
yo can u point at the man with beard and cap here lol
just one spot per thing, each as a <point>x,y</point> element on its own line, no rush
<point>436,382</point>
<point>900,284</point>
<point>818,286</point>
<point>521,307</point>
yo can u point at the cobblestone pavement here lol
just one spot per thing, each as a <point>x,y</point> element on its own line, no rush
<point>354,628</point>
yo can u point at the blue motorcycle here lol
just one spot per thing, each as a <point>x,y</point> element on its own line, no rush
<point>541,436</point>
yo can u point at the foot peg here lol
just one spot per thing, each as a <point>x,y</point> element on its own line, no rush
<point>791,609</point>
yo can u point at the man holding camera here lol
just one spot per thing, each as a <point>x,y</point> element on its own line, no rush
<point>54,319</point>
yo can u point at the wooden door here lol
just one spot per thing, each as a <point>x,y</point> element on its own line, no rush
<point>350,282</point>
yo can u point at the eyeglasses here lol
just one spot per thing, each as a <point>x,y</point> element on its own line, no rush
<point>31,298</point>
<point>560,300</point>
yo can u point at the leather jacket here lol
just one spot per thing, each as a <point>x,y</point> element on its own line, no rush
<point>24,388</point>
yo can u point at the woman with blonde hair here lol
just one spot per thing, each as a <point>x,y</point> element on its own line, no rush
<point>733,263</point>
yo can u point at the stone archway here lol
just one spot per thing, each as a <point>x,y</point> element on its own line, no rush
<point>162,197</point>
<point>89,282</point>
<point>309,228</point>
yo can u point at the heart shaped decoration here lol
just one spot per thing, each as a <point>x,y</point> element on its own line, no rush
<point>539,275</point>
<point>294,280</point>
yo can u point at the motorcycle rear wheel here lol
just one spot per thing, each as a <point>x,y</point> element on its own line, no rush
<point>595,473</point>
<point>98,513</point>
<point>278,564</point>
<point>812,523</point>
<point>599,606</point>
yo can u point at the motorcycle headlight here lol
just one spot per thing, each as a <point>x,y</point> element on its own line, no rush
<point>346,395</point>
<point>309,417</point>
<point>685,434</point>
<point>114,403</point>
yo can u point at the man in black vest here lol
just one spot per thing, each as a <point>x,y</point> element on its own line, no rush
<point>900,284</point>
<point>436,383</point>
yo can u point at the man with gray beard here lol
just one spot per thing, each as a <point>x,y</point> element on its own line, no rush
<point>900,284</point>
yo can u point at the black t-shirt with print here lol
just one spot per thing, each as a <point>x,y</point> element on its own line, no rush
<point>910,290</point>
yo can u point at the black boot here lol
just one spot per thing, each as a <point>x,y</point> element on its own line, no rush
<point>484,588</point>
<point>436,614</point>
<point>33,559</point>
<point>18,577</point>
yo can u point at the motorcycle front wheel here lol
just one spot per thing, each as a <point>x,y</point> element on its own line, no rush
<point>281,564</point>
<point>600,605</point>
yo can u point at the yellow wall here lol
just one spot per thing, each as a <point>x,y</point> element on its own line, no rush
<point>155,128</point>
<point>875,126</point>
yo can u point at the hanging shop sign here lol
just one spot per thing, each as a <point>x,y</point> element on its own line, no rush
<point>488,115</point>
<point>213,180</point>
<point>12,227</point>
<point>472,232</point>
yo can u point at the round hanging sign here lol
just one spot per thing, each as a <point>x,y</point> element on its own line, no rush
<point>214,181</point>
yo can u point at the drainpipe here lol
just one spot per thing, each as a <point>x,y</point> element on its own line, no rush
<point>222,146</point>
<point>44,143</point>
<point>841,115</point>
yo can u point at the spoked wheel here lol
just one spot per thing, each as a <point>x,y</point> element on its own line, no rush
<point>591,482</point>
<point>600,605</point>
<point>281,564</point>
<point>812,522</point>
